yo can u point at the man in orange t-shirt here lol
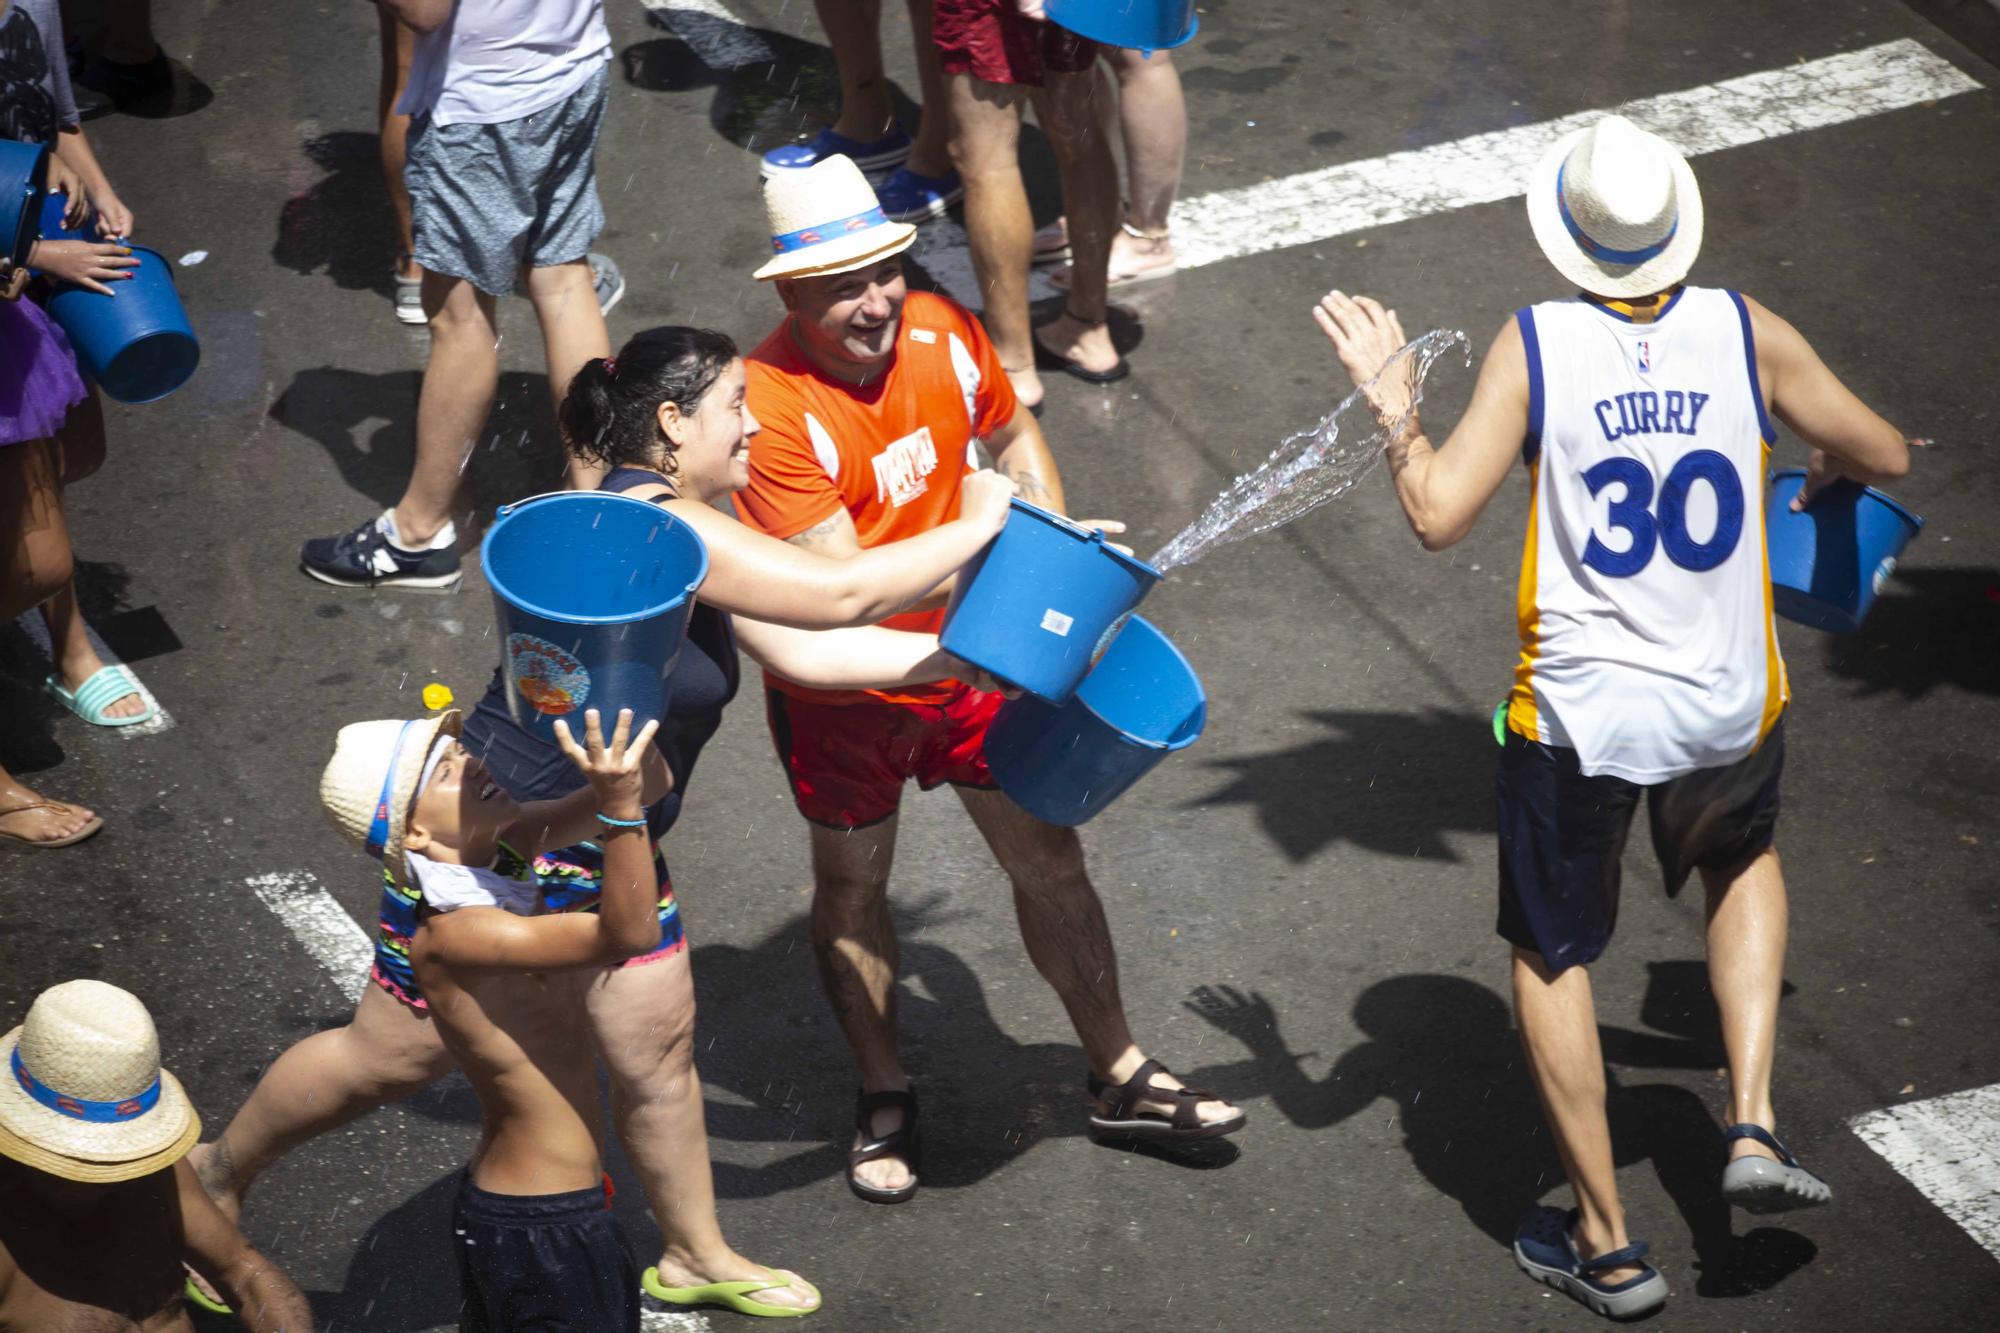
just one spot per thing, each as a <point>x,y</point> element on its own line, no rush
<point>871,399</point>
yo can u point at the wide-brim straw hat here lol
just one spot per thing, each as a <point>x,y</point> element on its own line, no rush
<point>82,1094</point>
<point>825,218</point>
<point>1616,209</point>
<point>371,782</point>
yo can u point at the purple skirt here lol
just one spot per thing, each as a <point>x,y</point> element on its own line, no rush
<point>38,379</point>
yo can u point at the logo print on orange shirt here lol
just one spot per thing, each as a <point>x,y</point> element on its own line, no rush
<point>902,468</point>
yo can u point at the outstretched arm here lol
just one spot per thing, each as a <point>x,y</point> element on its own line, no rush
<point>1443,490</point>
<point>1822,411</point>
<point>863,658</point>
<point>263,1297</point>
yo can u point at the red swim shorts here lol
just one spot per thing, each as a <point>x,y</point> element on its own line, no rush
<point>848,762</point>
<point>989,40</point>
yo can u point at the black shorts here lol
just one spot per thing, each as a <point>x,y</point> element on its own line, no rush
<point>542,1263</point>
<point>1562,834</point>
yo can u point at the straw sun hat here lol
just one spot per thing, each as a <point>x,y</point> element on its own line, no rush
<point>371,782</point>
<point>825,218</point>
<point>82,1094</point>
<point>1616,210</point>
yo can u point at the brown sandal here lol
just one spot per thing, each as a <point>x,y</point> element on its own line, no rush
<point>1124,1122</point>
<point>901,1141</point>
<point>96,824</point>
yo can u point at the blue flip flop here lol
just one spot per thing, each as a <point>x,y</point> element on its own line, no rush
<point>1760,1185</point>
<point>105,687</point>
<point>1545,1252</point>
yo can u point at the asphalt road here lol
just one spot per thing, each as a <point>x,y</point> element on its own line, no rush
<point>1326,850</point>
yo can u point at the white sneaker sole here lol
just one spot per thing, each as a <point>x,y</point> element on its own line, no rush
<point>416,583</point>
<point>1628,1304</point>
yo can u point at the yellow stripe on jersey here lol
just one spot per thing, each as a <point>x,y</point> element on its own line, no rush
<point>1522,716</point>
<point>1777,689</point>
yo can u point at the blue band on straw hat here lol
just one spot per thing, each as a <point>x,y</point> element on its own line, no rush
<point>808,237</point>
<point>83,1108</point>
<point>378,828</point>
<point>1597,250</point>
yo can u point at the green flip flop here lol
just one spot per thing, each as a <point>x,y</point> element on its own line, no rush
<point>106,686</point>
<point>201,1298</point>
<point>731,1295</point>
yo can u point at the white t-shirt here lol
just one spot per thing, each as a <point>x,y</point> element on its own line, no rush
<point>500,60</point>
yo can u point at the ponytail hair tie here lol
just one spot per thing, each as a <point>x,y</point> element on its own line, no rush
<point>611,367</point>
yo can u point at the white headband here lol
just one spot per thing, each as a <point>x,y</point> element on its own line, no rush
<point>438,748</point>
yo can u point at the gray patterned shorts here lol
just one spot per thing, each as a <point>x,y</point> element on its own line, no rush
<point>487,199</point>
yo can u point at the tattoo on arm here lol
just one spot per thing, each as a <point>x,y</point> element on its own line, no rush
<point>820,531</point>
<point>1033,489</point>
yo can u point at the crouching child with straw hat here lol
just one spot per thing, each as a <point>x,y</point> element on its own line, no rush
<point>536,1242</point>
<point>98,1209</point>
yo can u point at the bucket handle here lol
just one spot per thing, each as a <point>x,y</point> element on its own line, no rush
<point>507,509</point>
<point>1064,521</point>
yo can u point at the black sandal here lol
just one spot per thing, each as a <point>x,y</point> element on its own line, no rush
<point>899,1142</point>
<point>1125,1123</point>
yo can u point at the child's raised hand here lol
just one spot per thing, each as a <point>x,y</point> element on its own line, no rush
<point>614,769</point>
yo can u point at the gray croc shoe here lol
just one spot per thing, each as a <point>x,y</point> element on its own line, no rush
<point>1760,1185</point>
<point>1544,1251</point>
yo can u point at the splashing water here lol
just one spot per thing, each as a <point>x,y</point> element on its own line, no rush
<point>1313,466</point>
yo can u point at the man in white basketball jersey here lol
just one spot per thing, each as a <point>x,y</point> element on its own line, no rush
<point>1643,411</point>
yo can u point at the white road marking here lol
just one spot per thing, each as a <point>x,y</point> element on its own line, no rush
<point>658,1321</point>
<point>720,38</point>
<point>1485,168</point>
<point>320,923</point>
<point>1949,1148</point>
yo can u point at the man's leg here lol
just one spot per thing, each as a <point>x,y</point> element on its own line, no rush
<point>1073,109</point>
<point>459,384</point>
<point>1747,923</point>
<point>1559,1033</point>
<point>1068,938</point>
<point>1000,231</point>
<point>853,30</point>
<point>854,942</point>
<point>930,155</point>
<point>1152,119</point>
<point>573,332</point>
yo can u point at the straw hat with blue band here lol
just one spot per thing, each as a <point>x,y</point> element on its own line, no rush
<point>826,219</point>
<point>82,1094</point>
<point>373,779</point>
<point>1616,210</point>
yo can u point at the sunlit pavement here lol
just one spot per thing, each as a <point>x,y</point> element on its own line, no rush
<point>1303,901</point>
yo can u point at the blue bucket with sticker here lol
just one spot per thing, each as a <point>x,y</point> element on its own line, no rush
<point>1065,763</point>
<point>24,174</point>
<point>1830,560</point>
<point>591,597</point>
<point>1039,603</point>
<point>1142,25</point>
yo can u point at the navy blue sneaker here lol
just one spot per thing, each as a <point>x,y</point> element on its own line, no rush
<point>368,558</point>
<point>907,197</point>
<point>885,152</point>
<point>1544,1251</point>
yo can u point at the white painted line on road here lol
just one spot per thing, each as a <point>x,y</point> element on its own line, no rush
<point>1485,168</point>
<point>1949,1148</point>
<point>320,923</point>
<point>721,39</point>
<point>659,1321</point>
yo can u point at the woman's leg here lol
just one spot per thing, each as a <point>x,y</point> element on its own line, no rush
<point>1152,119</point>
<point>34,546</point>
<point>388,1051</point>
<point>398,43</point>
<point>76,661</point>
<point>643,1019</point>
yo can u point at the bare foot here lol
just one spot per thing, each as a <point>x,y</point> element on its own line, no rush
<point>1072,339</point>
<point>34,818</point>
<point>1132,258</point>
<point>80,667</point>
<point>1027,387</point>
<point>884,1173</point>
<point>789,1290</point>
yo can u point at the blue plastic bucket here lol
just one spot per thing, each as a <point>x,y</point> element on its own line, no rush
<point>52,228</point>
<point>591,596</point>
<point>1036,605</point>
<point>138,344</point>
<point>1829,561</point>
<point>23,177</point>
<point>1140,703</point>
<point>1143,25</point>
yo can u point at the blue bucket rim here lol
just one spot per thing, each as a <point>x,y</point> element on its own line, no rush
<point>508,511</point>
<point>1095,535</point>
<point>1916,521</point>
<point>1194,26</point>
<point>35,190</point>
<point>1201,703</point>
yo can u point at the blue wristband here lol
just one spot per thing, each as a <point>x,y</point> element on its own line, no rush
<point>607,820</point>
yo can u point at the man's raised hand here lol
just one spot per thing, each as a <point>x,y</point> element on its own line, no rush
<point>1365,336</point>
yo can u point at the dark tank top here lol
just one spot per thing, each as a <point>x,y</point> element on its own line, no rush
<point>704,680</point>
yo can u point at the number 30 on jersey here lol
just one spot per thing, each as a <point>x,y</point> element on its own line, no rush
<point>1665,528</point>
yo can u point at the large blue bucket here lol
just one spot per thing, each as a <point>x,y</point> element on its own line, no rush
<point>1829,560</point>
<point>591,595</point>
<point>52,228</point>
<point>1035,606</point>
<point>24,174</point>
<point>138,344</point>
<point>1143,25</point>
<point>1140,703</point>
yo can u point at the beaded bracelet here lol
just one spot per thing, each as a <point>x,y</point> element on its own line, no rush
<point>607,820</point>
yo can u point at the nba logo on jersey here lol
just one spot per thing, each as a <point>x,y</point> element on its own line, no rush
<point>1645,356</point>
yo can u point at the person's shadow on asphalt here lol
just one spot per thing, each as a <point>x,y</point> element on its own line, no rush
<point>1445,1051</point>
<point>1929,628</point>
